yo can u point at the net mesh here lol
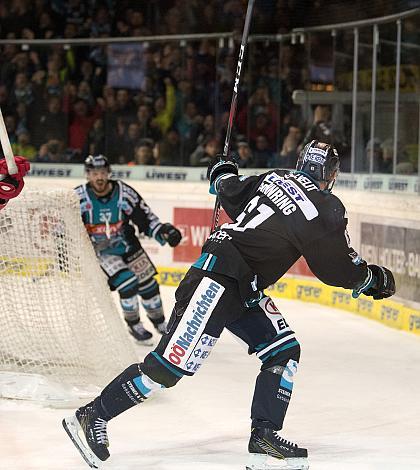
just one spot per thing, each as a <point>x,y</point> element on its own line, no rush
<point>57,315</point>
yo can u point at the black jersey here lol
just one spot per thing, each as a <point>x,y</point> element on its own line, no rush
<point>280,216</point>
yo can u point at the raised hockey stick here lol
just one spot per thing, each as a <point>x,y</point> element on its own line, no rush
<point>7,148</point>
<point>216,210</point>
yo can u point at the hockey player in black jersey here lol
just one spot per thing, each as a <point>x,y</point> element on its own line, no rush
<point>109,208</point>
<point>278,217</point>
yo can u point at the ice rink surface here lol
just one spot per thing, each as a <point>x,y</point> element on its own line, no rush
<point>355,406</point>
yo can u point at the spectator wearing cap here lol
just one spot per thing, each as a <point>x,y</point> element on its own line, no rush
<point>245,157</point>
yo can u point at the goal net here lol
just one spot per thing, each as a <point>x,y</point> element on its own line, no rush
<point>61,335</point>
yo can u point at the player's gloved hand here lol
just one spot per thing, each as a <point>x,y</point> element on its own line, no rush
<point>12,185</point>
<point>220,165</point>
<point>381,286</point>
<point>170,234</point>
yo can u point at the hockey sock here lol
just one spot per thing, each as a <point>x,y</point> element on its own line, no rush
<point>130,388</point>
<point>272,394</point>
<point>154,308</point>
<point>130,308</point>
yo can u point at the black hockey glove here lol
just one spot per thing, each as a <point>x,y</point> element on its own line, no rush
<point>381,285</point>
<point>168,233</point>
<point>220,165</point>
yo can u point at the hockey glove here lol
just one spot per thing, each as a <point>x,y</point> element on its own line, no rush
<point>219,166</point>
<point>12,185</point>
<point>380,286</point>
<point>168,233</point>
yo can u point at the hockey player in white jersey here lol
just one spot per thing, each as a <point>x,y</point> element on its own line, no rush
<point>109,208</point>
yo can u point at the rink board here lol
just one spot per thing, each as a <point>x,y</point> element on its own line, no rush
<point>387,312</point>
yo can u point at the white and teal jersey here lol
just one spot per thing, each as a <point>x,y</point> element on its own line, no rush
<point>107,219</point>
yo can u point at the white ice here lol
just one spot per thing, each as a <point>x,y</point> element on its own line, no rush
<point>355,406</point>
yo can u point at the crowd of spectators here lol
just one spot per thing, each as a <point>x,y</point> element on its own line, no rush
<point>164,102</point>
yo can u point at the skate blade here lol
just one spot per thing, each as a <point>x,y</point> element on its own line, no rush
<point>72,428</point>
<point>144,342</point>
<point>266,462</point>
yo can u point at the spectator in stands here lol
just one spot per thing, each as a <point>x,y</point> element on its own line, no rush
<point>96,140</point>
<point>373,152</point>
<point>403,165</point>
<point>290,149</point>
<point>10,123</point>
<point>385,164</point>
<point>46,28</point>
<point>203,154</point>
<point>23,146</point>
<point>101,22</point>
<point>144,121</point>
<point>22,92</point>
<point>245,157</point>
<point>263,126</point>
<point>165,108</point>
<point>169,149</point>
<point>144,153</point>
<point>263,156</point>
<point>124,105</point>
<point>260,104</point>
<point>51,124</point>
<point>80,126</point>
<point>115,134</point>
<point>51,152</point>
<point>131,141</point>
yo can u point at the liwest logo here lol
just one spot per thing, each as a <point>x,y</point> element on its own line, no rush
<point>193,322</point>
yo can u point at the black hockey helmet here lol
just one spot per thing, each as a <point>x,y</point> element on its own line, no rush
<point>94,162</point>
<point>320,161</point>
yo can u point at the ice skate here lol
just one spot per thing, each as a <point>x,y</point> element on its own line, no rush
<point>269,451</point>
<point>87,430</point>
<point>139,332</point>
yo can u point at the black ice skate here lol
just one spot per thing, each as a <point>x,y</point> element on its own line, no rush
<point>87,430</point>
<point>269,451</point>
<point>139,332</point>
